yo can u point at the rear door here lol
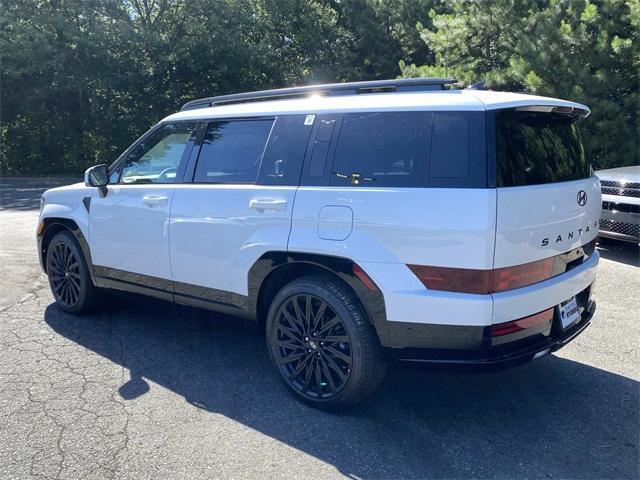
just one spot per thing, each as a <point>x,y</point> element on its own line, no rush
<point>548,201</point>
<point>238,206</point>
<point>397,188</point>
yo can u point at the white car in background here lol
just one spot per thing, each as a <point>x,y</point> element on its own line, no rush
<point>620,203</point>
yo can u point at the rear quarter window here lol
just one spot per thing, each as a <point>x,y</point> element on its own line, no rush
<point>411,149</point>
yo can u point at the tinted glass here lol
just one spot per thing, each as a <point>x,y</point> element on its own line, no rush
<point>458,150</point>
<point>157,158</point>
<point>232,151</point>
<point>318,155</point>
<point>283,157</point>
<point>450,145</point>
<point>538,147</point>
<point>383,150</point>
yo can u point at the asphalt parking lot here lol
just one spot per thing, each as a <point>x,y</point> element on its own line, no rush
<point>145,389</point>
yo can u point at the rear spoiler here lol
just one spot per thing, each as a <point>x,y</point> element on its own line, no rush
<point>570,111</point>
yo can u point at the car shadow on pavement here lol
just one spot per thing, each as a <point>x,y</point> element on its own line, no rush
<point>551,418</point>
<point>621,252</point>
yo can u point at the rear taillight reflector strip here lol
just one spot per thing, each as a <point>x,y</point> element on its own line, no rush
<point>521,275</point>
<point>483,281</point>
<point>525,323</point>
<point>364,278</point>
<point>467,280</point>
<point>453,279</point>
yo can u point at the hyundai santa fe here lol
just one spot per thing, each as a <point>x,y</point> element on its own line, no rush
<point>355,223</point>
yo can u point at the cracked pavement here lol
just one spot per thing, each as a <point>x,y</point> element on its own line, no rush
<point>145,389</point>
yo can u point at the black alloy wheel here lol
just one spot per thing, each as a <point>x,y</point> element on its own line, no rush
<point>69,276</point>
<point>314,348</point>
<point>65,275</point>
<point>323,344</point>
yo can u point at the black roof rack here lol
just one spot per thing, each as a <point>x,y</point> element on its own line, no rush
<point>352,88</point>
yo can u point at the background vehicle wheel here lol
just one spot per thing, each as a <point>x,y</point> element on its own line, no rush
<point>69,277</point>
<point>322,343</point>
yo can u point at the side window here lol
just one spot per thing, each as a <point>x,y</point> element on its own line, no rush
<point>285,151</point>
<point>458,156</point>
<point>383,150</point>
<point>450,145</point>
<point>232,151</point>
<point>114,177</point>
<point>158,157</point>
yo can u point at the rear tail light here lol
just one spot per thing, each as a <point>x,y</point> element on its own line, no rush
<point>500,329</point>
<point>453,279</point>
<point>483,281</point>
<point>509,278</point>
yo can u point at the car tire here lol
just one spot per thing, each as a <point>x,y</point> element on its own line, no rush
<point>322,343</point>
<point>69,277</point>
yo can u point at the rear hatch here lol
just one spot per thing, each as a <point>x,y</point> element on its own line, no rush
<point>548,200</point>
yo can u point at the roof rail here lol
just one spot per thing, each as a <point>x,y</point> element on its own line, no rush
<point>477,86</point>
<point>352,88</point>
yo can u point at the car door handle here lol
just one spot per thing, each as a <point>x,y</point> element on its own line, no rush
<point>262,204</point>
<point>154,200</point>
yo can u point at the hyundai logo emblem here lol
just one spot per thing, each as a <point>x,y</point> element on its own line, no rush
<point>582,198</point>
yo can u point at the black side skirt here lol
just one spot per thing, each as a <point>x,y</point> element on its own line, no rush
<point>182,293</point>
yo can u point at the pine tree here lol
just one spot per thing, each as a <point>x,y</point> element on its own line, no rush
<point>581,50</point>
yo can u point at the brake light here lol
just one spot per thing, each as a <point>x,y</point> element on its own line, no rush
<point>467,280</point>
<point>509,278</point>
<point>500,329</point>
<point>453,279</point>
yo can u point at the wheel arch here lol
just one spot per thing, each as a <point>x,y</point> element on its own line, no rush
<point>274,270</point>
<point>52,226</point>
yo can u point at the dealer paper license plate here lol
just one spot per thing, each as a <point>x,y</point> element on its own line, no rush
<point>569,312</point>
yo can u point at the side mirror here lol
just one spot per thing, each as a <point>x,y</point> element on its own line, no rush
<point>97,176</point>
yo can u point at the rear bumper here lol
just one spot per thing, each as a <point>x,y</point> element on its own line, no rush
<point>423,318</point>
<point>505,355</point>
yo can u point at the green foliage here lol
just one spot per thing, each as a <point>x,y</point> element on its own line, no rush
<point>585,50</point>
<point>81,79</point>
<point>377,31</point>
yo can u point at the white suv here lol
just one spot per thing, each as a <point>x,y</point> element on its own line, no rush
<point>620,203</point>
<point>354,222</point>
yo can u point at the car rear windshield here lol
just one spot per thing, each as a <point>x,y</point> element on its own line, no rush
<point>538,147</point>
